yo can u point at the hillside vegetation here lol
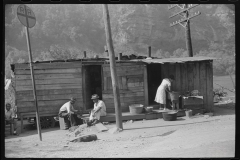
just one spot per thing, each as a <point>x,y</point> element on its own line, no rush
<point>65,31</point>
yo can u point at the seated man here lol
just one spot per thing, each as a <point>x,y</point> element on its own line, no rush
<point>69,113</point>
<point>98,110</point>
<point>10,117</point>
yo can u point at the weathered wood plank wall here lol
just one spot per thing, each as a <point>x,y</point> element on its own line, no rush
<point>209,86</point>
<point>131,85</point>
<point>192,76</point>
<point>55,84</point>
<point>203,82</point>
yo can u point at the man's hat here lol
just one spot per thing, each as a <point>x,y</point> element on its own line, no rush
<point>72,99</point>
<point>95,96</point>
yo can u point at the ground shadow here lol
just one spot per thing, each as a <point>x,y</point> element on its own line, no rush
<point>171,125</point>
<point>224,109</point>
<point>31,129</point>
<point>180,119</point>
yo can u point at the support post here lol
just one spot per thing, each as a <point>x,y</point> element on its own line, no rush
<point>84,54</point>
<point>119,56</point>
<point>149,51</point>
<point>188,35</point>
<point>146,86</point>
<point>33,83</point>
<point>117,104</point>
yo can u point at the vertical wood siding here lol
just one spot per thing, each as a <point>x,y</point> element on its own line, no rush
<point>192,76</point>
<point>190,80</point>
<point>131,85</point>
<point>178,79</point>
<point>203,82</point>
<point>209,95</point>
<point>184,77</point>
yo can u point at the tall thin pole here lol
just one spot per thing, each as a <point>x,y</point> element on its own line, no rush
<point>116,94</point>
<point>149,51</point>
<point>33,83</point>
<point>185,22</point>
<point>188,35</point>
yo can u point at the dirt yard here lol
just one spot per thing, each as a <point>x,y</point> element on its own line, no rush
<point>196,137</point>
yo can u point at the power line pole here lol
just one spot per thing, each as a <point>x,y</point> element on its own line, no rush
<point>116,94</point>
<point>185,22</point>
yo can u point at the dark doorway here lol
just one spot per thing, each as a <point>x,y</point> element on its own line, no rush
<point>92,83</point>
<point>154,80</point>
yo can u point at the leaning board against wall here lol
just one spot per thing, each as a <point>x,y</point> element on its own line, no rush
<point>55,83</point>
<point>130,82</point>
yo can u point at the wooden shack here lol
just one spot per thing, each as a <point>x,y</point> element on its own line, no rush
<point>191,73</point>
<point>138,80</point>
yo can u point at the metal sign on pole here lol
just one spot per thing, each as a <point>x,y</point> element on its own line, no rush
<point>28,19</point>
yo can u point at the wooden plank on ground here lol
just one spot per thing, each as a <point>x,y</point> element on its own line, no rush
<point>49,76</point>
<point>47,71</point>
<point>49,81</point>
<point>203,83</point>
<point>100,127</point>
<point>46,87</point>
<point>209,75</point>
<point>52,65</point>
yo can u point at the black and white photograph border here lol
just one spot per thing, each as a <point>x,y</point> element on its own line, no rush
<point>144,80</point>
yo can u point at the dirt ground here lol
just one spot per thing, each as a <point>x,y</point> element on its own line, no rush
<point>195,137</point>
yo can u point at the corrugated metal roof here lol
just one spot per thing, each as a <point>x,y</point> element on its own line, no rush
<point>175,60</point>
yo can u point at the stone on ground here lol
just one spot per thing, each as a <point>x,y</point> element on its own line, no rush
<point>77,130</point>
<point>210,114</point>
<point>101,127</point>
<point>85,138</point>
<point>114,130</point>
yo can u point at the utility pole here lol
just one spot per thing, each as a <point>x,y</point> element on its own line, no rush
<point>185,22</point>
<point>117,104</point>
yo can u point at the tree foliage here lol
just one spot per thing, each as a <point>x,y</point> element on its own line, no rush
<point>65,31</point>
